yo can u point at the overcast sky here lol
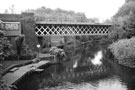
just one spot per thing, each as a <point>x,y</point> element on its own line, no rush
<point>102,9</point>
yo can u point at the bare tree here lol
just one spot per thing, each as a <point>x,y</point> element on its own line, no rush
<point>12,9</point>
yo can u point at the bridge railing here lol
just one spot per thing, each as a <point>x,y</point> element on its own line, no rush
<point>71,29</point>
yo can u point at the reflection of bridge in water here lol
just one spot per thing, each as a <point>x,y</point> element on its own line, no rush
<point>66,29</point>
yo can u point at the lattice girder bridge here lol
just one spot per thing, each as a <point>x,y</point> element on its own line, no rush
<point>53,29</point>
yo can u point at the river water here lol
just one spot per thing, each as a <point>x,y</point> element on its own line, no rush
<point>92,75</point>
<point>57,77</point>
<point>105,84</point>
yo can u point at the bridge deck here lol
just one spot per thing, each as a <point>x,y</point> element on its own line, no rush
<point>69,23</point>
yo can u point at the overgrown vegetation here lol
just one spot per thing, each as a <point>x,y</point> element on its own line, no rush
<point>22,52</point>
<point>59,15</point>
<point>122,35</point>
<point>5,47</point>
<point>124,22</point>
<point>3,86</point>
<point>124,51</point>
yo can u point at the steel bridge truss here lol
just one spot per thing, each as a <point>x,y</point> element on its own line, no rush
<point>70,29</point>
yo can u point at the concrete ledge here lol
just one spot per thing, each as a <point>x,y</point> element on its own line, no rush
<point>23,69</point>
<point>18,65</point>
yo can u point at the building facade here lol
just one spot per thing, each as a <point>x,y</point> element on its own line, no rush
<point>16,25</point>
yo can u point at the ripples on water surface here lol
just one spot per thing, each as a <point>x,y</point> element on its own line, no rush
<point>104,84</point>
<point>53,79</point>
<point>57,77</point>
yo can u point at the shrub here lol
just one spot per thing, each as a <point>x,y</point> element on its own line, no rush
<point>23,51</point>
<point>12,56</point>
<point>5,47</point>
<point>124,48</point>
<point>124,51</point>
<point>27,53</point>
<point>59,53</point>
<point>3,86</point>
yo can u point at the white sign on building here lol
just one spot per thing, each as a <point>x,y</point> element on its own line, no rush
<point>11,28</point>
